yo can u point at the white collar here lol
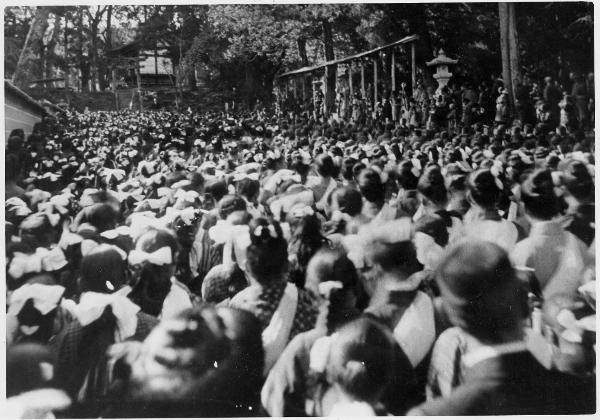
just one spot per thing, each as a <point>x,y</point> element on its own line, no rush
<point>487,352</point>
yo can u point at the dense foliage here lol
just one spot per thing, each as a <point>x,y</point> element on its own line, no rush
<point>245,46</point>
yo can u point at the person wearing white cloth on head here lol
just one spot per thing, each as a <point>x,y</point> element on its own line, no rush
<point>155,289</point>
<point>104,316</point>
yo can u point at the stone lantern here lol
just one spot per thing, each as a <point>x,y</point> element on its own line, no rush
<point>442,75</point>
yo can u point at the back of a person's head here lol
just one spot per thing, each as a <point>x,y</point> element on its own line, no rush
<point>577,180</point>
<point>390,247</point>
<point>480,290</point>
<point>248,188</point>
<point>360,359</point>
<point>370,185</point>
<point>151,279</point>
<point>266,256</point>
<point>538,196</point>
<point>347,200</point>
<point>102,216</point>
<point>102,270</point>
<point>11,167</point>
<point>36,230</point>
<point>432,186</point>
<point>483,189</point>
<point>329,265</point>
<point>204,362</point>
<point>325,165</point>
<point>230,204</point>
<point>29,366</point>
<point>406,178</point>
<point>435,226</point>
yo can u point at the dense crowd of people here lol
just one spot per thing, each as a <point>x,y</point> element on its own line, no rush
<point>177,264</point>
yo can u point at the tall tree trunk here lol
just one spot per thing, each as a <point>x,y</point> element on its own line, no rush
<point>513,44</point>
<point>33,42</point>
<point>105,73</point>
<point>83,65</point>
<point>302,51</point>
<point>54,40</point>
<point>330,71</point>
<point>509,48</point>
<point>94,55</point>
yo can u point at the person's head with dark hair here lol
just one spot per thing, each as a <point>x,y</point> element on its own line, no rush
<point>18,132</point>
<point>481,292</point>
<point>371,186</point>
<point>267,254</point>
<point>216,188</point>
<point>11,167</point>
<point>231,204</point>
<point>346,200</point>
<point>538,195</point>
<point>405,177</point>
<point>103,269</point>
<point>102,216</point>
<point>577,181</point>
<point>204,362</point>
<point>153,265</point>
<point>347,169</point>
<point>483,189</point>
<point>359,361</point>
<point>324,165</point>
<point>29,366</point>
<point>435,226</point>
<point>391,256</point>
<point>432,187</point>
<point>332,275</point>
<point>14,144</point>
<point>36,231</point>
<point>305,240</point>
<point>248,188</point>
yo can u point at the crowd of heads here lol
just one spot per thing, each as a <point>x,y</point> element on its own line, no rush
<point>166,263</point>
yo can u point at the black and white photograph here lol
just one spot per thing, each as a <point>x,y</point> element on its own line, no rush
<point>299,210</point>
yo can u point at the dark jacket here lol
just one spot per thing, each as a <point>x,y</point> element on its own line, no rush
<point>515,384</point>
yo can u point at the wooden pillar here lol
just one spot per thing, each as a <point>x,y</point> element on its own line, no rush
<point>393,70</point>
<point>139,84</point>
<point>362,79</point>
<point>413,68</point>
<point>114,87</point>
<point>350,85</point>
<point>303,79</point>
<point>375,80</point>
<point>326,93</point>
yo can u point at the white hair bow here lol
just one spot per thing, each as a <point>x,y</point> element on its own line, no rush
<point>270,228</point>
<point>42,260</point>
<point>118,174</point>
<point>189,196</point>
<point>45,297</point>
<point>57,202</point>
<point>91,306</point>
<point>141,222</point>
<point>162,256</point>
<point>49,175</point>
<point>187,214</point>
<point>20,208</point>
<point>181,184</point>
<point>115,233</point>
<point>38,195</point>
<point>86,197</point>
<point>88,245</point>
